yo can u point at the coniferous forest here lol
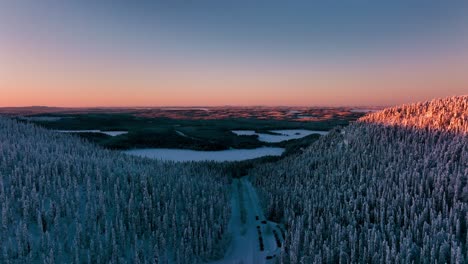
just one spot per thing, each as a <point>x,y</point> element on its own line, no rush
<point>389,188</point>
<point>64,200</point>
<point>234,132</point>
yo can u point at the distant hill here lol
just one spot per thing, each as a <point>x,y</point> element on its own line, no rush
<point>390,188</point>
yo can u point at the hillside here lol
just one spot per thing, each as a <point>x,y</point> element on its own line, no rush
<point>449,114</point>
<point>392,187</point>
<point>66,201</point>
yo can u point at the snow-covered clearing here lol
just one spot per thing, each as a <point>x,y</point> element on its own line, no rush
<point>245,243</point>
<point>182,134</point>
<point>197,155</point>
<point>110,133</point>
<point>41,118</point>
<point>281,135</point>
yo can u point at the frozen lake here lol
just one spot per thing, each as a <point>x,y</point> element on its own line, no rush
<point>282,135</point>
<point>110,133</point>
<point>198,155</point>
<point>41,118</point>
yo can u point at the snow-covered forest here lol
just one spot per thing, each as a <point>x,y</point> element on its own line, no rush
<point>390,188</point>
<point>66,201</point>
<point>449,114</point>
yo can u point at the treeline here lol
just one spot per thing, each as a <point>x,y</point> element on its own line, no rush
<point>375,193</point>
<point>449,114</point>
<point>65,201</point>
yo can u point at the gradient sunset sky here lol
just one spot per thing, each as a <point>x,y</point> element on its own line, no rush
<point>213,52</point>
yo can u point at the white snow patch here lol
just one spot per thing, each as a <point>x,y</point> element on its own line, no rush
<point>197,155</point>
<point>110,133</point>
<point>114,133</point>
<point>282,135</point>
<point>182,134</point>
<point>244,132</point>
<point>41,118</point>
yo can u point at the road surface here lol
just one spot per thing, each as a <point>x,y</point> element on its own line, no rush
<point>246,233</point>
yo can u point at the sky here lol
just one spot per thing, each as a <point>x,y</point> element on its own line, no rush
<point>214,52</point>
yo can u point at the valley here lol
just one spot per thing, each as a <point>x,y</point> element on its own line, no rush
<point>233,132</point>
<point>393,181</point>
<point>220,134</point>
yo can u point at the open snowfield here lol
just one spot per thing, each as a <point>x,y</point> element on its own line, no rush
<point>245,245</point>
<point>196,155</point>
<point>282,135</point>
<point>41,118</point>
<point>110,133</point>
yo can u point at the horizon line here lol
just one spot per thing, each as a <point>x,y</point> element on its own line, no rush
<point>200,106</point>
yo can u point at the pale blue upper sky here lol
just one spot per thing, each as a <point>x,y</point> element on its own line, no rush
<point>210,34</point>
<point>288,28</point>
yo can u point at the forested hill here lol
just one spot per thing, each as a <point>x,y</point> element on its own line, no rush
<point>448,114</point>
<point>390,188</point>
<point>63,200</point>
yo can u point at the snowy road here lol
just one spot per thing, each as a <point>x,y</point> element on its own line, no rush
<point>246,233</point>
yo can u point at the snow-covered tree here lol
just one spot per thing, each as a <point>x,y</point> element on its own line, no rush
<point>64,200</point>
<point>390,188</point>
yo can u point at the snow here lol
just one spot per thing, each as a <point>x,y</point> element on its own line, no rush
<point>198,155</point>
<point>244,132</point>
<point>69,205</point>
<point>245,246</point>
<point>447,114</point>
<point>110,133</point>
<point>114,133</point>
<point>41,118</point>
<point>282,135</point>
<point>181,134</point>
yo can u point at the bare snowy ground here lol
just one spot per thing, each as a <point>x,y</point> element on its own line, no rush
<point>196,155</point>
<point>110,133</point>
<point>246,233</point>
<point>281,135</point>
<point>41,118</point>
<point>182,134</point>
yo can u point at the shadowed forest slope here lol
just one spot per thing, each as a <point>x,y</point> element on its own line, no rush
<point>66,201</point>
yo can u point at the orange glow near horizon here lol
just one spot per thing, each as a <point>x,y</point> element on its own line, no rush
<point>88,54</point>
<point>49,81</point>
